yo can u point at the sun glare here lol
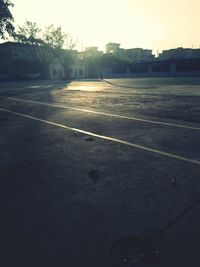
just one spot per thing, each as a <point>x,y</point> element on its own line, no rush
<point>146,24</point>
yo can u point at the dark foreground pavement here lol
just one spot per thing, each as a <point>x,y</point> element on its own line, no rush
<point>66,196</point>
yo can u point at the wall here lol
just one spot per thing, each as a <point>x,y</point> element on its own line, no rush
<point>155,69</point>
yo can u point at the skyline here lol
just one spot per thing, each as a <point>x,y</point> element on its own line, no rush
<point>155,25</point>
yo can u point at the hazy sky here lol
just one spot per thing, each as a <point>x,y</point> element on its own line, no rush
<point>153,24</point>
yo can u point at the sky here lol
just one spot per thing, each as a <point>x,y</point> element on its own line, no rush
<point>149,24</point>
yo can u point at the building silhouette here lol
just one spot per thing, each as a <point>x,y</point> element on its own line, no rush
<point>23,61</point>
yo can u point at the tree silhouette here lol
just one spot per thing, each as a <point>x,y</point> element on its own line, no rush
<point>6,19</point>
<point>29,34</point>
<point>49,45</point>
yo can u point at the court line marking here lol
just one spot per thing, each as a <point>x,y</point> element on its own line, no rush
<point>107,114</point>
<point>119,141</point>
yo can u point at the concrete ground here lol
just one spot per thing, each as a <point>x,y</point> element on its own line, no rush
<point>87,162</point>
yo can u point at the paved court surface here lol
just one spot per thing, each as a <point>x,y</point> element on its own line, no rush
<point>87,162</point>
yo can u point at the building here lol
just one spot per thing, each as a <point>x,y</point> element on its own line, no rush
<point>56,70</point>
<point>179,53</point>
<point>18,60</point>
<point>79,70</point>
<point>87,63</point>
<point>138,54</point>
<point>113,48</point>
<point>23,61</point>
<point>131,54</point>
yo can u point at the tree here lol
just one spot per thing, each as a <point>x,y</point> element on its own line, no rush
<point>49,45</point>
<point>29,34</point>
<point>59,45</point>
<point>57,39</point>
<point>6,19</point>
<point>54,37</point>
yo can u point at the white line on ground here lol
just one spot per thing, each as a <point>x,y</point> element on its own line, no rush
<point>119,141</point>
<point>107,114</point>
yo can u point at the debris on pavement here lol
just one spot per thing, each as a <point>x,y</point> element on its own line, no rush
<point>130,249</point>
<point>75,133</point>
<point>174,181</point>
<point>24,164</point>
<point>89,139</point>
<point>94,175</point>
